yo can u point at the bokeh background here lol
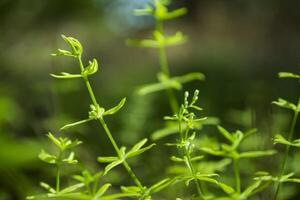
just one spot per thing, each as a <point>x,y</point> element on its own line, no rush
<point>239,45</point>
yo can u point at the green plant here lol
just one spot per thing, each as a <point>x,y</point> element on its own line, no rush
<point>97,113</point>
<point>160,41</point>
<point>279,139</point>
<point>198,158</point>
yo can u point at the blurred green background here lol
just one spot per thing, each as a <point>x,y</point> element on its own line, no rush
<point>240,45</point>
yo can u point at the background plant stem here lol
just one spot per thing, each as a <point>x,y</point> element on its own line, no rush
<point>237,175</point>
<point>287,148</point>
<point>163,62</point>
<point>58,179</point>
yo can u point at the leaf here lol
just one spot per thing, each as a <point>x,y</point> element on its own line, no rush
<point>177,159</point>
<point>131,189</point>
<point>92,68</point>
<point>139,145</point>
<point>74,44</point>
<point>189,77</point>
<point>138,152</point>
<point>47,187</point>
<point>116,108</point>
<point>142,12</point>
<point>159,41</point>
<point>250,189</point>
<point>67,126</point>
<point>285,104</point>
<point>54,140</point>
<point>51,159</point>
<point>170,129</point>
<point>174,14</point>
<point>112,165</point>
<point>161,11</point>
<point>173,40</point>
<point>71,188</point>
<point>255,154</point>
<point>196,158</point>
<point>226,134</point>
<point>212,151</point>
<point>279,139</point>
<point>250,133</point>
<point>61,52</point>
<point>70,159</point>
<point>288,75</point>
<point>102,190</point>
<point>156,87</point>
<point>226,188</point>
<point>146,43</point>
<point>65,75</point>
<point>107,159</point>
<point>161,185</point>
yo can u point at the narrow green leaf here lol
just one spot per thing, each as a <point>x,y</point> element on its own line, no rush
<point>279,139</point>
<point>47,187</point>
<point>102,190</point>
<point>161,185</point>
<point>74,44</point>
<point>139,145</point>
<point>226,188</point>
<point>65,75</point>
<point>71,188</point>
<point>285,104</point>
<point>226,134</point>
<point>107,159</point>
<point>54,140</point>
<point>288,75</point>
<point>250,189</point>
<point>255,154</point>
<point>111,166</point>
<point>212,151</point>
<point>44,156</point>
<point>116,108</point>
<point>75,124</point>
<point>189,77</point>
<point>140,151</point>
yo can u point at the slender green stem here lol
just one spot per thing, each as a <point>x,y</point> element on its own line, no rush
<point>126,165</point>
<point>58,178</point>
<point>58,172</point>
<point>107,130</point>
<point>237,175</point>
<point>163,62</point>
<point>189,162</point>
<point>286,153</point>
<point>193,172</point>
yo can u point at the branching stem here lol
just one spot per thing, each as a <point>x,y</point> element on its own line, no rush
<point>287,148</point>
<point>107,130</point>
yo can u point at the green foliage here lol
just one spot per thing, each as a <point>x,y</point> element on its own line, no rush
<point>287,142</point>
<point>199,162</point>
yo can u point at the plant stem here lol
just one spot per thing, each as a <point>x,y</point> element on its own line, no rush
<point>163,62</point>
<point>237,175</point>
<point>286,154</point>
<point>58,179</point>
<point>189,162</point>
<point>58,165</point>
<point>193,172</point>
<point>107,130</point>
<point>117,149</point>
